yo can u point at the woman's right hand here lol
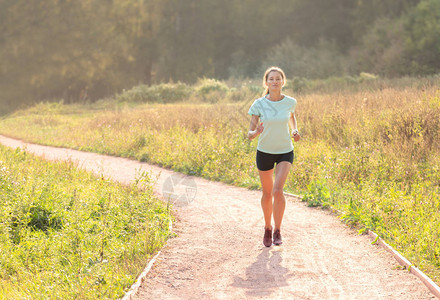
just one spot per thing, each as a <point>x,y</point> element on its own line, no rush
<point>254,133</point>
<point>259,129</point>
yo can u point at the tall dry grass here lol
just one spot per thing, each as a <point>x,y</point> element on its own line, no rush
<point>373,154</point>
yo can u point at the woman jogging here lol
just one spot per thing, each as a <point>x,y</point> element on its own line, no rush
<point>271,116</point>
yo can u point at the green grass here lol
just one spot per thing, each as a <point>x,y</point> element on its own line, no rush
<point>67,234</point>
<point>371,152</point>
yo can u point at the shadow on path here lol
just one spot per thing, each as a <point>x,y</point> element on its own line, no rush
<point>265,275</point>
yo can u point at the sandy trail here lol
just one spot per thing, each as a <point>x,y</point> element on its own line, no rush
<point>218,251</point>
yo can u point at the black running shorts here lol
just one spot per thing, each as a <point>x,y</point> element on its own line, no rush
<point>267,161</point>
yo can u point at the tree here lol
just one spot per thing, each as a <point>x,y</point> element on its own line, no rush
<point>382,49</point>
<point>316,19</point>
<point>137,24</point>
<point>366,12</point>
<point>423,42</point>
<point>56,49</point>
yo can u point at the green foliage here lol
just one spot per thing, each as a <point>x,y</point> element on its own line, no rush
<point>422,40</point>
<point>211,90</point>
<point>206,86</point>
<point>331,20</point>
<point>162,93</point>
<point>298,84</point>
<point>362,81</point>
<point>382,48</point>
<point>67,234</point>
<point>317,195</point>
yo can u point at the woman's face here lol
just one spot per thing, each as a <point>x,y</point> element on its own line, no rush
<point>274,80</point>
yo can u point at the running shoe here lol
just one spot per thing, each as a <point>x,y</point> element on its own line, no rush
<point>267,240</point>
<point>277,237</point>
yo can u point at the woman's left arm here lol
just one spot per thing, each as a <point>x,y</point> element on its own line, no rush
<point>293,126</point>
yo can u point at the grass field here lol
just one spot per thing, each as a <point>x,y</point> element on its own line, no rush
<point>66,234</point>
<point>370,151</point>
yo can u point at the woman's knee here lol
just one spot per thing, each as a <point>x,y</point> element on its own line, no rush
<point>267,194</point>
<point>278,193</point>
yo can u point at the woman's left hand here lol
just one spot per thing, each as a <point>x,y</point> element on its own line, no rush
<point>296,136</point>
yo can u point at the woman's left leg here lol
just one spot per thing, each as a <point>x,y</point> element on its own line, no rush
<point>281,171</point>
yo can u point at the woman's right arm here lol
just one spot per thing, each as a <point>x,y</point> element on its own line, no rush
<point>255,129</point>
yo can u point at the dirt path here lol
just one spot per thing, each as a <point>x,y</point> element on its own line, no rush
<point>218,251</point>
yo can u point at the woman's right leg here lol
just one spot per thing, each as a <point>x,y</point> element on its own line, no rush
<point>266,178</point>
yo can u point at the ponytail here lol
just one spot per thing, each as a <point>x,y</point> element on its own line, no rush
<point>266,91</point>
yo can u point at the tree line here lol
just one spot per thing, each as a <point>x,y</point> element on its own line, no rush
<point>89,49</point>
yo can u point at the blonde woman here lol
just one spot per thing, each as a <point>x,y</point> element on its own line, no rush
<point>271,116</point>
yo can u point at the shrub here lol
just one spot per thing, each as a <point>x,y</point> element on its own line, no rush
<point>162,93</point>
<point>211,90</point>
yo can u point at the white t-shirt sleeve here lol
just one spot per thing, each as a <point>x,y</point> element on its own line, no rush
<point>253,110</point>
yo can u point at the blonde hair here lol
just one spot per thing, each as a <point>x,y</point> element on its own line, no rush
<point>266,75</point>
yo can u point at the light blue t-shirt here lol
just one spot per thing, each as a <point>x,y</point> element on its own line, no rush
<point>274,115</point>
